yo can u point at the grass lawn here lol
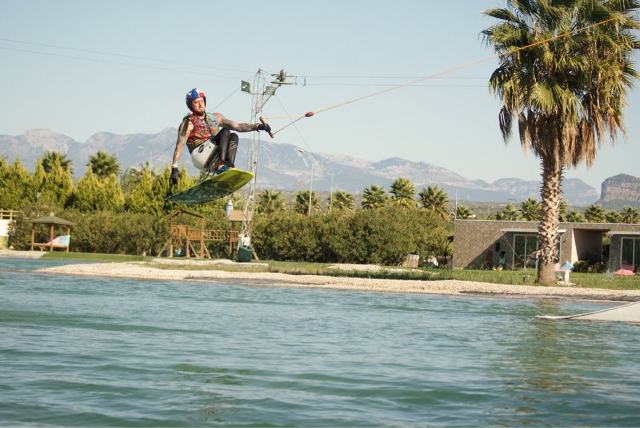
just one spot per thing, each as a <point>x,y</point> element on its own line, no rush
<point>517,277</point>
<point>585,280</point>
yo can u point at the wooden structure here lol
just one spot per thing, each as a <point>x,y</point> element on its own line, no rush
<point>191,240</point>
<point>9,215</point>
<point>52,221</point>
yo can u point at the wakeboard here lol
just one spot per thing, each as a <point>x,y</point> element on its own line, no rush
<point>214,187</point>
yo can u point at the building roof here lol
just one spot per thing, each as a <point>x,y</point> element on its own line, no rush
<point>51,219</point>
<point>516,230</point>
<point>622,232</point>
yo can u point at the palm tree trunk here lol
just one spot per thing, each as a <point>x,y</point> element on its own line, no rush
<point>548,235</point>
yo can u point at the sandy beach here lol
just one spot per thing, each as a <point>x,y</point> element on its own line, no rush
<point>141,270</point>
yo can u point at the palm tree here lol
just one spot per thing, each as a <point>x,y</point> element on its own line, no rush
<point>630,215</point>
<point>270,201</point>
<point>565,68</point>
<point>403,193</point>
<point>49,159</point>
<point>435,200</point>
<point>612,217</point>
<point>374,197</point>
<point>595,214</point>
<point>531,209</point>
<point>509,213</point>
<point>302,202</point>
<point>342,200</point>
<point>574,217</point>
<point>103,164</point>
<point>463,213</point>
<point>563,210</point>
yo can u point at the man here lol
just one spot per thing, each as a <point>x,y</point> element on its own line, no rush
<point>212,146</point>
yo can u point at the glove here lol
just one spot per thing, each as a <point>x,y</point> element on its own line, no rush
<point>264,127</point>
<point>175,176</point>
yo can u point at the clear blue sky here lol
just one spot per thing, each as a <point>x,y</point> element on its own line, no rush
<point>450,122</point>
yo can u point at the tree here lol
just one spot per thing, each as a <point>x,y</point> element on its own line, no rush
<point>270,201</point>
<point>130,178</point>
<point>435,200</point>
<point>509,212</point>
<point>374,197</point>
<point>51,158</point>
<point>595,214</point>
<point>103,164</point>
<point>94,194</point>
<point>630,215</point>
<point>530,209</point>
<point>342,200</point>
<point>566,89</point>
<point>143,197</point>
<point>302,202</point>
<point>55,185</point>
<point>612,217</point>
<point>16,185</point>
<point>574,217</point>
<point>463,213</point>
<point>403,193</point>
<point>563,210</point>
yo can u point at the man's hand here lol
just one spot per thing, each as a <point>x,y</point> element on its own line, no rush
<point>264,127</point>
<point>175,175</point>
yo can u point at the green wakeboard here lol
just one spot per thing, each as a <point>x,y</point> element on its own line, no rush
<point>212,188</point>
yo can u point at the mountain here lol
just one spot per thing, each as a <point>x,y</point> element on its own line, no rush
<point>620,190</point>
<point>285,166</point>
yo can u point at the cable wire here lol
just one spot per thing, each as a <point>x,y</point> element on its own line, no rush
<point>446,71</point>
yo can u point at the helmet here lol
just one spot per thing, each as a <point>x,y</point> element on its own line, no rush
<point>193,94</point>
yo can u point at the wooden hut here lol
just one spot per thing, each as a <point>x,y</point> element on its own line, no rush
<point>60,242</point>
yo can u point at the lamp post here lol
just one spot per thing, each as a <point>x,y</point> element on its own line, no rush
<point>301,151</point>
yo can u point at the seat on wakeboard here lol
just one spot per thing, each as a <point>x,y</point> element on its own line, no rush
<point>212,188</point>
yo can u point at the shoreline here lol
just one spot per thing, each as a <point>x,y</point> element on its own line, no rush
<point>139,270</point>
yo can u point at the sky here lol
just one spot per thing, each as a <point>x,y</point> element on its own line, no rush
<point>79,67</point>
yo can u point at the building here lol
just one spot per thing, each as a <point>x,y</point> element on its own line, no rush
<point>7,217</point>
<point>513,244</point>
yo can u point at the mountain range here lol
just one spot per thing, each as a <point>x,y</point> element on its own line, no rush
<point>287,167</point>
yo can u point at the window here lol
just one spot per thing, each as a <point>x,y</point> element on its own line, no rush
<point>630,253</point>
<point>524,251</point>
<point>525,247</point>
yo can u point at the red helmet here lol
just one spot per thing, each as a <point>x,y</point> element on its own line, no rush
<point>193,94</point>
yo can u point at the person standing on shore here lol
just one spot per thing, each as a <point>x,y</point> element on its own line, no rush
<point>207,136</point>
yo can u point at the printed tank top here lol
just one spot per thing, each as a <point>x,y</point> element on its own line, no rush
<point>204,127</point>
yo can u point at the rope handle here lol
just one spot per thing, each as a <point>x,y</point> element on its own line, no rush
<point>264,123</point>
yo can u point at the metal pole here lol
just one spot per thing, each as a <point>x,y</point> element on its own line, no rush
<point>310,188</point>
<point>331,194</point>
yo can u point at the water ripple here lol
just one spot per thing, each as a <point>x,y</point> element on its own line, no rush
<point>107,352</point>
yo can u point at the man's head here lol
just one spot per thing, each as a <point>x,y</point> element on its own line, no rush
<point>196,100</point>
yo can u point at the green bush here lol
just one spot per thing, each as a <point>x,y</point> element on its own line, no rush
<point>99,232</point>
<point>382,236</point>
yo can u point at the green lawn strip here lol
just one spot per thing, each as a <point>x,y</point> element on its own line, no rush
<point>527,277</point>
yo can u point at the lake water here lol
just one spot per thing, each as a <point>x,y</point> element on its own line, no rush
<point>110,352</point>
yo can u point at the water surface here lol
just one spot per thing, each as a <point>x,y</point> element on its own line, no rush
<point>111,352</point>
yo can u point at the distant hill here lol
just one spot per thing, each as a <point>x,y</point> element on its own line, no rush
<point>282,166</point>
<point>619,191</point>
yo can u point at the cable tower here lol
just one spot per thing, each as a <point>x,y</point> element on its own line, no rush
<point>262,88</point>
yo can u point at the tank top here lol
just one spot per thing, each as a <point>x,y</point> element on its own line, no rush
<point>204,128</point>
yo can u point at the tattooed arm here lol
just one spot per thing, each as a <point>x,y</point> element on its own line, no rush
<point>183,133</point>
<point>236,126</point>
